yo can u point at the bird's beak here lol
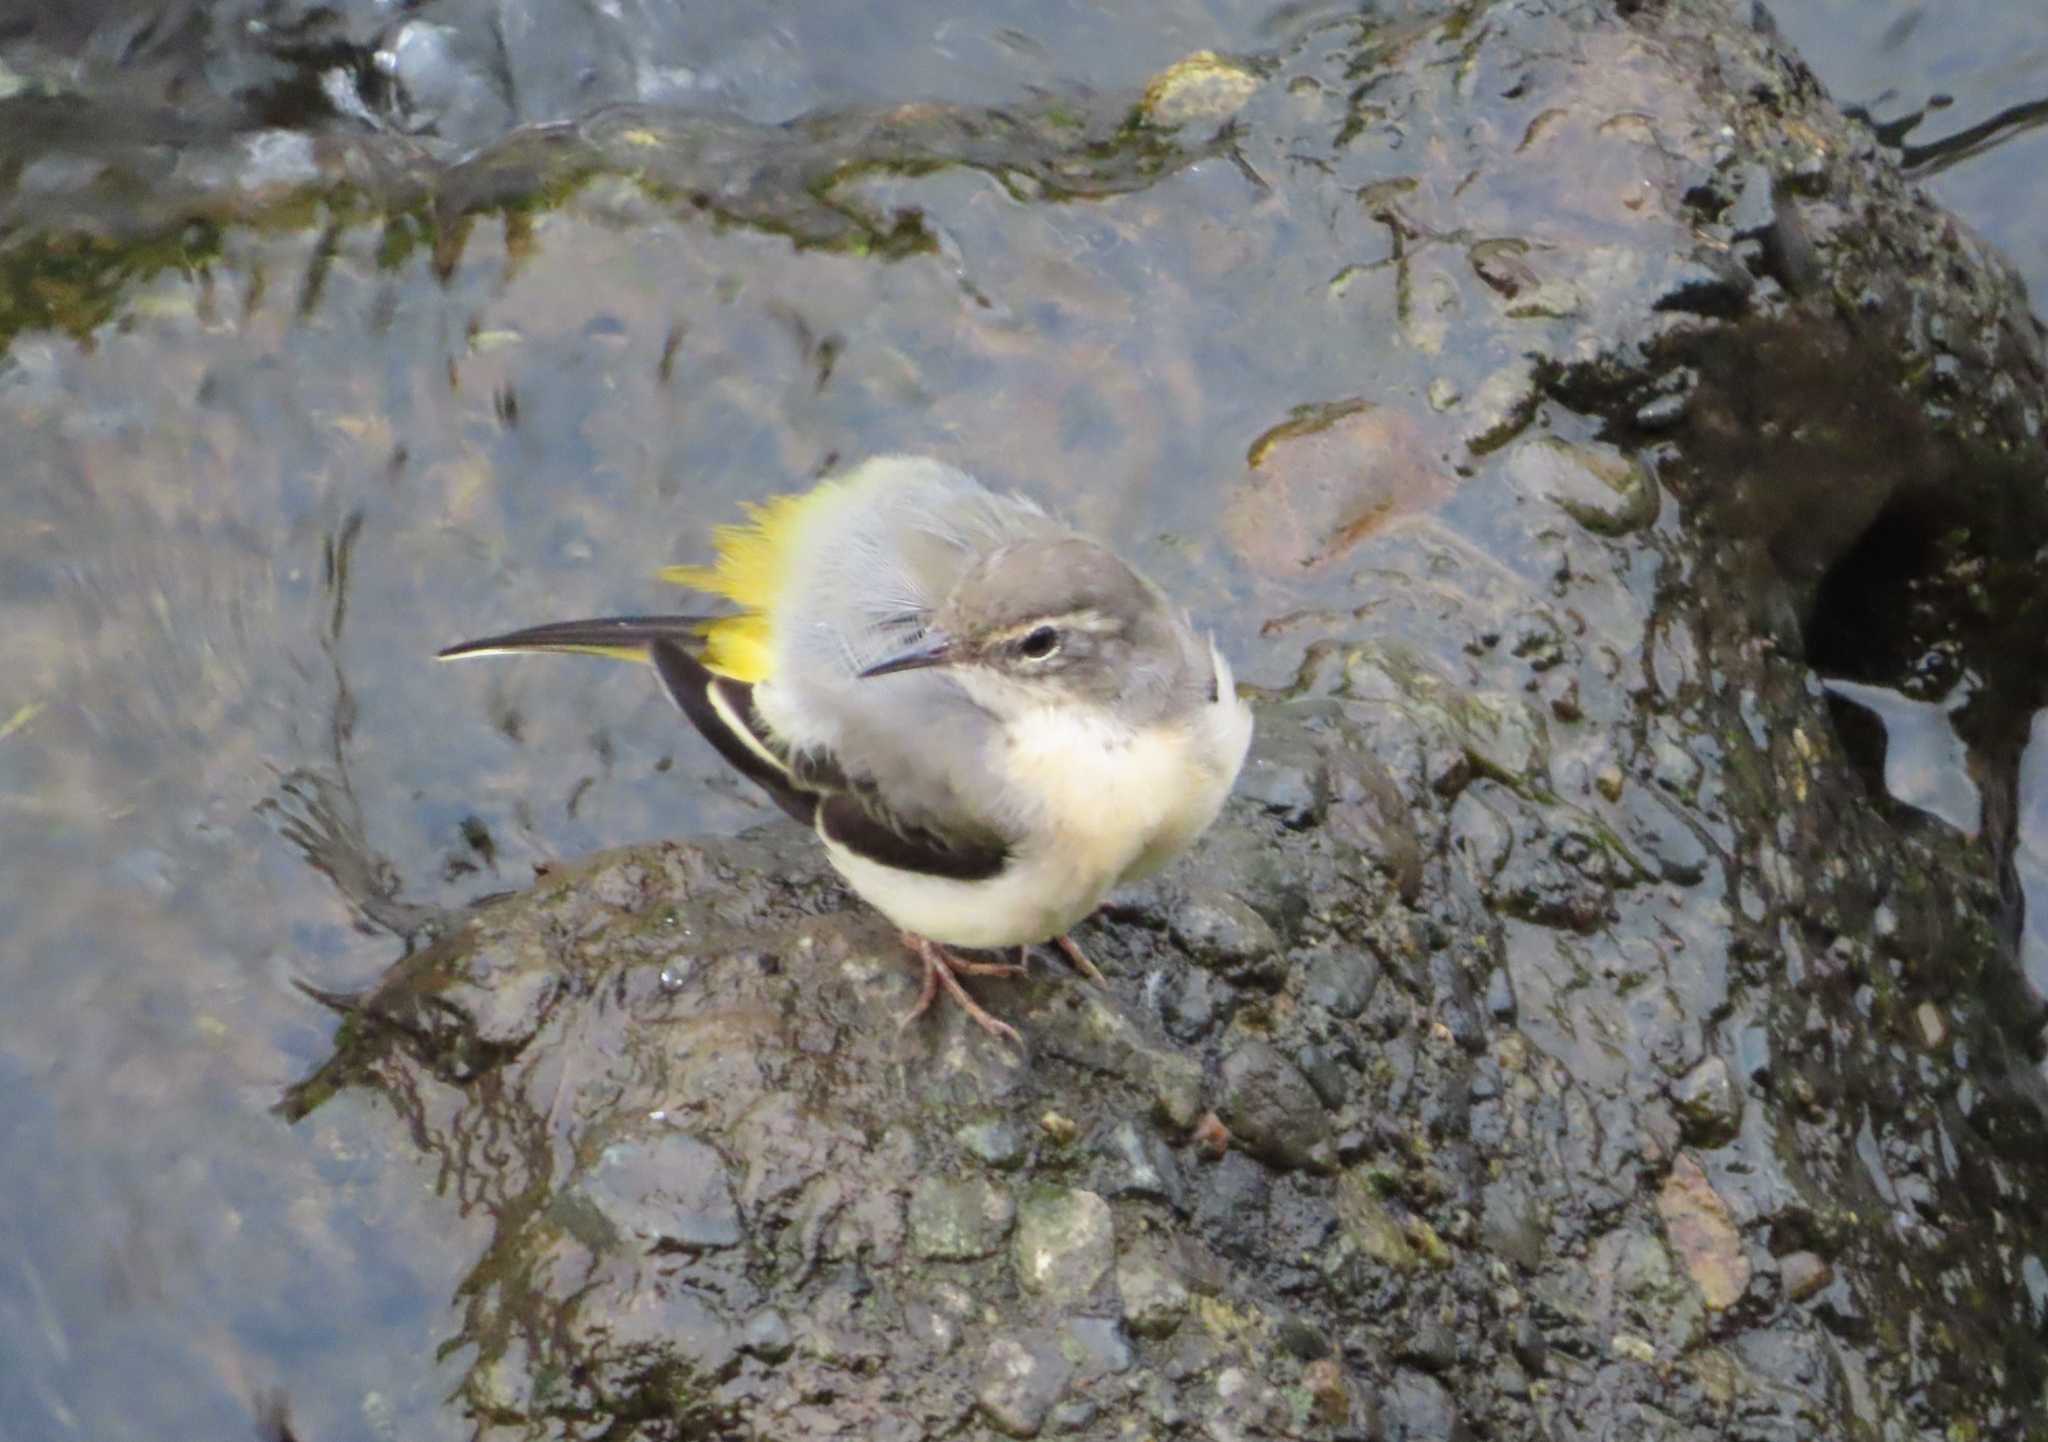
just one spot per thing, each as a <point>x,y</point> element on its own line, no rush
<point>936,649</point>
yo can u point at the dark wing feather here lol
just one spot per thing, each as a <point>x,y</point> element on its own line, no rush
<point>812,787</point>
<point>722,709</point>
<point>845,820</point>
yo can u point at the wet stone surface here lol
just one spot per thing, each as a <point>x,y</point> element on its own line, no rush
<point>1595,1052</point>
<point>959,1220</point>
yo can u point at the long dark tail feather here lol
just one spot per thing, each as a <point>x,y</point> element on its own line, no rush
<point>625,636</point>
<point>717,706</point>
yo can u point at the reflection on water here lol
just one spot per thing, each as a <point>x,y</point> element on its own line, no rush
<point>1926,764</point>
<point>1959,86</point>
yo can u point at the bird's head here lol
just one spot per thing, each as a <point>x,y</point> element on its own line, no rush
<point>1060,622</point>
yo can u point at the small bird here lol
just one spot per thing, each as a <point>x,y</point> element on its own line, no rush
<point>988,719</point>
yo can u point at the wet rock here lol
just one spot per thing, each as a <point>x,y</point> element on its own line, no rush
<point>1370,1225</point>
<point>1234,1194</point>
<point>1498,735</point>
<point>1709,285</point>
<point>1341,982</point>
<point>1138,1163</point>
<point>1152,1288</point>
<point>1753,1052</point>
<point>1329,1391</point>
<point>1092,1032</point>
<point>768,1336</point>
<point>1302,1339</point>
<point>1661,413</point>
<point>1500,995</point>
<point>1204,88</point>
<point>1065,1242</point>
<point>671,1189</point>
<point>1190,1004</point>
<point>1708,1105</point>
<point>1754,210</point>
<point>1073,1415</point>
<point>1097,1345</point>
<point>1644,1297</point>
<point>937,1320</point>
<point>1663,841</point>
<point>1512,1225</point>
<point>999,1141</point>
<point>1482,833</point>
<point>1418,1408</point>
<point>1368,811</point>
<point>1286,773</point>
<point>1703,1234</point>
<point>1804,1275</point>
<point>1021,1379</point>
<point>959,1220</point>
<point>1271,1109</point>
<point>1220,932</point>
<point>1847,1315</point>
<point>1432,1347</point>
<point>1325,478</point>
<point>1603,490</point>
<point>1931,1027</point>
<point>1502,405</point>
<point>1327,1073</point>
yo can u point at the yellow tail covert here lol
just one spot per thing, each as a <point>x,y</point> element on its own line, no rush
<point>751,569</point>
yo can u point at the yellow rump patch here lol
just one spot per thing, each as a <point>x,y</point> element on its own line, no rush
<point>750,569</point>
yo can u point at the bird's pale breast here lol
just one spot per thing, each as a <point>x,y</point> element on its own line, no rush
<point>1107,804</point>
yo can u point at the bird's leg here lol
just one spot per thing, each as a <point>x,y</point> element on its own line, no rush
<point>943,969</point>
<point>1079,959</point>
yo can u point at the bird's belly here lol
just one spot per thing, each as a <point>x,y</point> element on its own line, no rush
<point>1104,807</point>
<point>1033,898</point>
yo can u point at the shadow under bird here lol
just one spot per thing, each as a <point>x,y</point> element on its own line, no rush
<point>989,720</point>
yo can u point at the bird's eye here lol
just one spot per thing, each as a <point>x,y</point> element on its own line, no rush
<point>1039,644</point>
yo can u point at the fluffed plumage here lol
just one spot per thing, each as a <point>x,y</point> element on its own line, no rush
<point>879,680</point>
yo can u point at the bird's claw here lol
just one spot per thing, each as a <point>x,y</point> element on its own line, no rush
<point>1078,959</point>
<point>943,969</point>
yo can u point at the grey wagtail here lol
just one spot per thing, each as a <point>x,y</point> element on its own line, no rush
<point>989,720</point>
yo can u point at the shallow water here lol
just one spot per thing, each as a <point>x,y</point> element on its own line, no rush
<point>1963,86</point>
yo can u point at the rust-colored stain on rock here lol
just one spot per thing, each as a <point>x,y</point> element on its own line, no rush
<point>1703,1234</point>
<point>1326,478</point>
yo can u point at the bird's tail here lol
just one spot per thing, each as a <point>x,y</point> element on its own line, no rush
<point>623,638</point>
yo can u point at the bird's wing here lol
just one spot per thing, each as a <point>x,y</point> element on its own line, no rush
<point>812,786</point>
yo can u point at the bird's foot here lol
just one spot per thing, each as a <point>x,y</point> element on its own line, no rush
<point>1079,959</point>
<point>943,969</point>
